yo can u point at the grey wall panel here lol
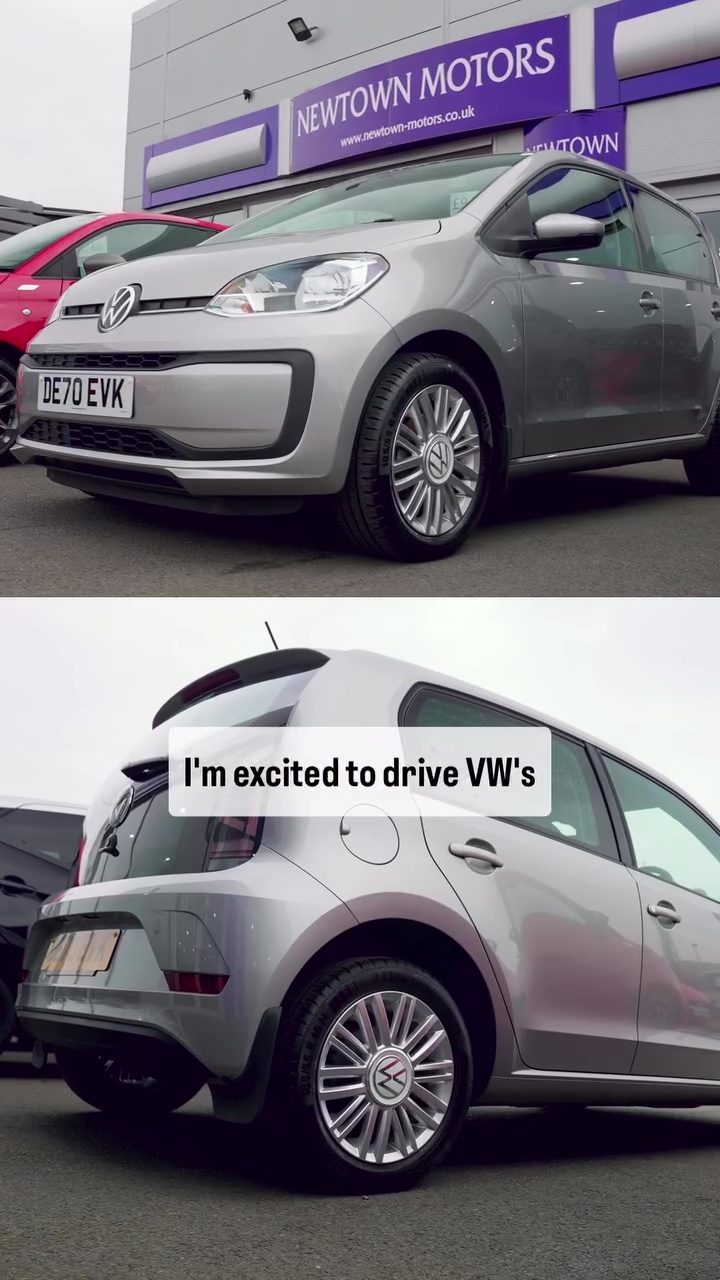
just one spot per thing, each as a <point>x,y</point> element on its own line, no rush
<point>135,160</point>
<point>260,51</point>
<point>149,38</point>
<point>132,203</point>
<point>193,19</point>
<point>675,137</point>
<point>147,93</point>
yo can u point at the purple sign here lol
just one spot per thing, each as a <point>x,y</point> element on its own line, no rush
<point>501,78</point>
<point>651,48</point>
<point>598,134</point>
<point>259,127</point>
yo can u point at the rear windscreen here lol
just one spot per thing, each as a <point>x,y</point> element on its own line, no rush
<point>149,842</point>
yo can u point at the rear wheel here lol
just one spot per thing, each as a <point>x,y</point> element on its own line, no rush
<point>124,1090</point>
<point>374,1076</point>
<point>702,466</point>
<point>8,399</point>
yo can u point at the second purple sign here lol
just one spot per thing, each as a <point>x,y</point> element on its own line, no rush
<point>503,78</point>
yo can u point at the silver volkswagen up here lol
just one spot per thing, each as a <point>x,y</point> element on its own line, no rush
<point>354,989</point>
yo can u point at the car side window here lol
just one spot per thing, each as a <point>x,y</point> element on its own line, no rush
<point>592,195</point>
<point>133,240</point>
<point>670,839</point>
<point>52,836</point>
<point>675,244</point>
<point>579,815</point>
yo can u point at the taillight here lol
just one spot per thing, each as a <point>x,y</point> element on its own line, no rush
<point>78,862</point>
<point>197,984</point>
<point>232,841</point>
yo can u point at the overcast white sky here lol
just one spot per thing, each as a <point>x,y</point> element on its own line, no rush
<point>64,91</point>
<point>83,678</point>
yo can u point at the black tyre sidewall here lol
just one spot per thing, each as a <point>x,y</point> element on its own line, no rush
<point>702,466</point>
<point>83,1073</point>
<point>7,1016</point>
<point>368,497</point>
<point>325,1002</point>
<point>7,370</point>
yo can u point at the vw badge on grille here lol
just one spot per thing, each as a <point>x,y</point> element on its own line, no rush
<point>118,307</point>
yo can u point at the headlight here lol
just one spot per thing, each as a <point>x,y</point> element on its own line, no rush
<point>315,284</point>
<point>57,311</point>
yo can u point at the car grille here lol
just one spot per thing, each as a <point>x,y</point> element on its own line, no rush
<point>131,441</point>
<point>108,361</point>
<point>147,304</point>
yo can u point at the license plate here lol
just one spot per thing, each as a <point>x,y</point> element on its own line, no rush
<point>94,395</point>
<point>86,952</point>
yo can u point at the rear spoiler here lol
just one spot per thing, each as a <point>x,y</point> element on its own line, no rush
<point>263,666</point>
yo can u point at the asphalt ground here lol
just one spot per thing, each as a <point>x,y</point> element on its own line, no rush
<point>616,1195</point>
<point>632,531</point>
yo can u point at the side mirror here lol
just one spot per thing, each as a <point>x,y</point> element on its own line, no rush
<point>557,232</point>
<point>99,261</point>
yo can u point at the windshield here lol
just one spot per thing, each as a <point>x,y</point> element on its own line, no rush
<point>438,189</point>
<point>19,249</point>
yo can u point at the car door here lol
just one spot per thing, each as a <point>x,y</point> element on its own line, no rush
<point>593,332</point>
<point>676,851</point>
<point>555,907</point>
<point>37,848</point>
<point>684,263</point>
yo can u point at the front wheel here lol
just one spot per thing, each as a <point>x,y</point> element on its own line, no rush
<point>375,1075</point>
<point>123,1090</point>
<point>7,1016</point>
<point>420,471</point>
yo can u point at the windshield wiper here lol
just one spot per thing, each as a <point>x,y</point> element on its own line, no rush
<point>383,219</point>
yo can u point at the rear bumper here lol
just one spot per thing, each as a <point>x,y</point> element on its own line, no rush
<point>259,923</point>
<point>239,1101</point>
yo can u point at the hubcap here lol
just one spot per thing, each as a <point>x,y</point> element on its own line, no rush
<point>435,461</point>
<point>385,1077</point>
<point>7,401</point>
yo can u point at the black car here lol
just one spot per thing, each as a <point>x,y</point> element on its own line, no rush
<point>38,845</point>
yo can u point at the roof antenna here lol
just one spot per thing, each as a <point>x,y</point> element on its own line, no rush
<point>275,643</point>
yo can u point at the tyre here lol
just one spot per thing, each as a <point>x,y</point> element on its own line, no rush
<point>702,466</point>
<point>8,398</point>
<point>420,471</point>
<point>373,1077</point>
<point>7,1016</point>
<point>122,1090</point>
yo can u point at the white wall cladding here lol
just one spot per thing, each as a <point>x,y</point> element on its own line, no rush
<point>677,137</point>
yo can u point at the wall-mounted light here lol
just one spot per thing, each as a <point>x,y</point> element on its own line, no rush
<point>301,30</point>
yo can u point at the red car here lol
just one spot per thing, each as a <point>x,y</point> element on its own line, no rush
<point>39,264</point>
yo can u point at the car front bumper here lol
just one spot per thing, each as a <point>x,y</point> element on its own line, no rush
<point>223,408</point>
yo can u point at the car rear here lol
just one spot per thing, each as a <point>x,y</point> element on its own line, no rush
<point>171,951</point>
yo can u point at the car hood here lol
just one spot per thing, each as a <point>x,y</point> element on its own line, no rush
<point>203,271</point>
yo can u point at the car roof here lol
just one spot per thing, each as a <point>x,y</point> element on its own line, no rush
<point>48,806</point>
<point>145,215</point>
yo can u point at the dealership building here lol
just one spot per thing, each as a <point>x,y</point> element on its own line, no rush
<point>236,105</point>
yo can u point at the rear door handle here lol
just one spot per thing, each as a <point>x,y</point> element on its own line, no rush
<point>649,302</point>
<point>665,912</point>
<point>479,851</point>
<point>715,308</point>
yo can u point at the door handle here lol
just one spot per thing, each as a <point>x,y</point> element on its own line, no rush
<point>480,851</point>
<point>16,886</point>
<point>649,302</point>
<point>715,308</point>
<point>665,913</point>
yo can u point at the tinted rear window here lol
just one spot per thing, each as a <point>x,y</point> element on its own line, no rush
<point>54,836</point>
<point>150,842</point>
